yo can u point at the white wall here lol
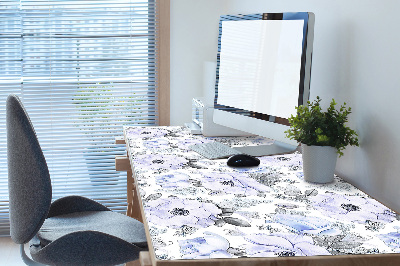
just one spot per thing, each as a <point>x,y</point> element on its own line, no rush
<point>194,41</point>
<point>356,60</point>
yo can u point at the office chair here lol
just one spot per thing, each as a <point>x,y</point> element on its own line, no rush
<point>70,231</point>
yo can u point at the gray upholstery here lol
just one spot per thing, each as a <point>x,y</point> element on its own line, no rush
<point>85,248</point>
<point>104,221</point>
<point>70,231</point>
<point>71,204</point>
<point>28,176</point>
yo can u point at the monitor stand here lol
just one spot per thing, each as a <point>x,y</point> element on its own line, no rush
<point>270,149</point>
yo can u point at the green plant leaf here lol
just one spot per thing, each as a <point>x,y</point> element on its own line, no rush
<point>312,126</point>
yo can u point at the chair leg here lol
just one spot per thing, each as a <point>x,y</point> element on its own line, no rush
<point>26,259</point>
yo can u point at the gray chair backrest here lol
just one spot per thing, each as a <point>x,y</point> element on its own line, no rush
<point>29,183</point>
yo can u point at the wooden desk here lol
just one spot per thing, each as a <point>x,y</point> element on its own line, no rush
<point>201,212</point>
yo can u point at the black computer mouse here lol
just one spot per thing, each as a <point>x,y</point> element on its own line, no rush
<point>242,160</point>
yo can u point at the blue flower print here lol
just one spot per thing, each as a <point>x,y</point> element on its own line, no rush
<point>282,245</point>
<point>352,208</point>
<point>209,246</point>
<point>173,180</point>
<point>174,212</point>
<point>203,209</point>
<point>232,183</point>
<point>392,240</point>
<point>306,224</point>
<point>157,161</point>
<point>145,132</point>
<point>290,160</point>
<point>157,143</point>
<point>253,169</point>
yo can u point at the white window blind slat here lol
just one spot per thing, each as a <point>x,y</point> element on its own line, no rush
<point>83,69</point>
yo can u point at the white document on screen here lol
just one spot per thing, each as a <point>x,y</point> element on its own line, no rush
<point>260,65</point>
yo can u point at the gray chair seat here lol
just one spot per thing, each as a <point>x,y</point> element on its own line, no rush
<point>107,222</point>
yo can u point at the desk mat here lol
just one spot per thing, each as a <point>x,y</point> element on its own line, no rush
<point>199,209</point>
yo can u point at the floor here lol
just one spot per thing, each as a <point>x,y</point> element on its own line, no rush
<point>9,253</point>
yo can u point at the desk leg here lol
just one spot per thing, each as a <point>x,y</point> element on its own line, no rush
<point>144,260</point>
<point>132,197</point>
<point>133,210</point>
<point>133,263</point>
<point>129,193</point>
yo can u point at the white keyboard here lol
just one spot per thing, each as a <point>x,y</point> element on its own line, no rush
<point>214,150</point>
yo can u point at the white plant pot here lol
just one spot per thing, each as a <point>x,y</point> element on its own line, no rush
<point>319,163</point>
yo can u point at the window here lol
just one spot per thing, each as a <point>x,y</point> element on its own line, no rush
<point>83,69</point>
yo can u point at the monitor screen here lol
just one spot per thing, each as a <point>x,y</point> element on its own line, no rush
<point>260,64</point>
<point>263,71</point>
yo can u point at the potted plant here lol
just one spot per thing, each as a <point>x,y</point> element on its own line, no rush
<point>323,135</point>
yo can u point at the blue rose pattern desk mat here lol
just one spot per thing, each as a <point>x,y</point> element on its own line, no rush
<point>198,208</point>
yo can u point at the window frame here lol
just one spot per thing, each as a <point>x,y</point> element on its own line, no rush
<point>164,62</point>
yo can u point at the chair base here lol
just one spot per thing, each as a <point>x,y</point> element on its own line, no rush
<point>26,259</point>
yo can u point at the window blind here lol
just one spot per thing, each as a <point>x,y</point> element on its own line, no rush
<point>83,69</point>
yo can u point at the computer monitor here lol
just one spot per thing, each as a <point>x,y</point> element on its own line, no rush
<point>263,72</point>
